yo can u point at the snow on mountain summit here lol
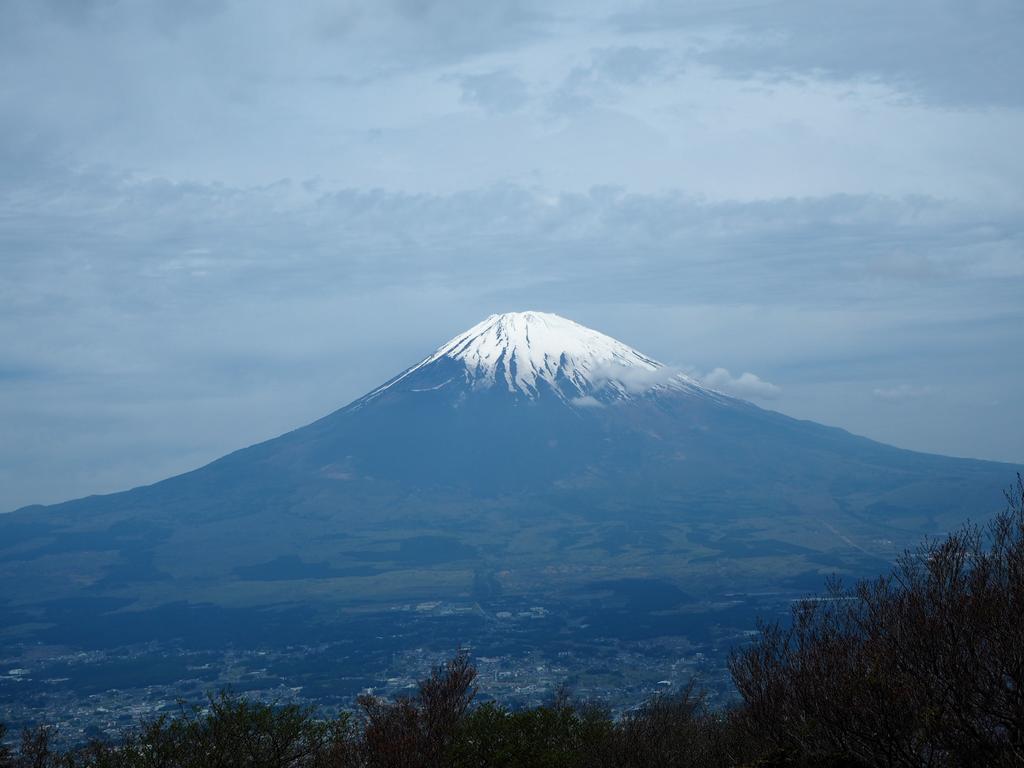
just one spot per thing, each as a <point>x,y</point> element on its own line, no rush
<point>530,352</point>
<point>521,349</point>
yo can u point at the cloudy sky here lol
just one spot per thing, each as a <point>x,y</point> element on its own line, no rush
<point>221,220</point>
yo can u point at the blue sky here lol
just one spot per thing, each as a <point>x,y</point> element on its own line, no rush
<point>221,220</point>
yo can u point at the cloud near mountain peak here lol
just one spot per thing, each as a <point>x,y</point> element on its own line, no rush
<point>747,385</point>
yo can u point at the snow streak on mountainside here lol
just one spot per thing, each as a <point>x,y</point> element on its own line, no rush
<point>530,352</point>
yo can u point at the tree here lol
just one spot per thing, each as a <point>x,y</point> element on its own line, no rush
<point>924,666</point>
<point>6,759</point>
<point>418,733</point>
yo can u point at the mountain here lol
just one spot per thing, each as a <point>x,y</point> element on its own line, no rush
<point>528,461</point>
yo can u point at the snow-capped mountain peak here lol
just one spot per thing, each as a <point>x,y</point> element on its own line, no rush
<point>532,352</point>
<point>521,349</point>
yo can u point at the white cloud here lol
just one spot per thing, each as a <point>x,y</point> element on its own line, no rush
<point>747,385</point>
<point>636,380</point>
<point>959,53</point>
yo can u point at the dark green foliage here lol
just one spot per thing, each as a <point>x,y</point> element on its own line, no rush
<point>671,732</point>
<point>554,735</point>
<point>230,732</point>
<point>923,667</point>
<point>433,730</point>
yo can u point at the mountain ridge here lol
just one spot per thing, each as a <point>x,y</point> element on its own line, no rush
<point>497,350</point>
<point>469,471</point>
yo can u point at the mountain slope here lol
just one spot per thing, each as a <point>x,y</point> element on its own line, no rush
<point>528,455</point>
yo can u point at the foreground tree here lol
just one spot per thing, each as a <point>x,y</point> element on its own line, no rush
<point>419,732</point>
<point>922,667</point>
<point>6,759</point>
